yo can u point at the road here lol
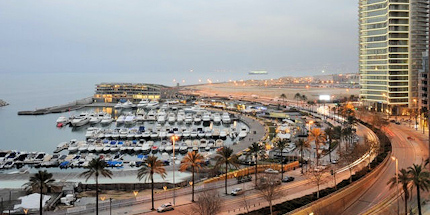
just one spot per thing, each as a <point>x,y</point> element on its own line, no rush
<point>407,152</point>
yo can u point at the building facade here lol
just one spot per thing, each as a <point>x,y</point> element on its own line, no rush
<point>114,92</point>
<point>392,37</point>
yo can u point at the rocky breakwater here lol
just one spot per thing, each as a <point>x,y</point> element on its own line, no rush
<point>3,103</point>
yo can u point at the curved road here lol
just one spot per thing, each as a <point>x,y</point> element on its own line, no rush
<point>408,151</point>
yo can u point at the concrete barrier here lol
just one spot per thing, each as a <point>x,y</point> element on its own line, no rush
<point>251,170</point>
<point>342,199</point>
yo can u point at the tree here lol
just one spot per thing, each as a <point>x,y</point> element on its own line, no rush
<point>96,167</point>
<point>283,97</point>
<point>193,160</point>
<point>297,96</point>
<point>349,156</point>
<point>281,144</point>
<point>302,145</point>
<point>208,203</point>
<point>332,135</point>
<point>315,175</point>
<point>255,150</point>
<point>421,180</point>
<point>304,98</point>
<point>317,136</point>
<point>404,179</point>
<point>269,188</point>
<point>40,181</point>
<point>150,167</point>
<point>378,120</point>
<point>226,157</point>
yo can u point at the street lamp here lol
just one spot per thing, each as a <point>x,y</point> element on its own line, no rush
<point>416,114</point>
<point>135,192</point>
<point>25,211</point>
<point>397,180</point>
<point>165,193</point>
<point>174,138</point>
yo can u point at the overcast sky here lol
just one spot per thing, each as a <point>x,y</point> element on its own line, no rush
<point>284,37</point>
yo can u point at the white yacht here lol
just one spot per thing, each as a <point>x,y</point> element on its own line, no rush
<point>127,104</point>
<point>106,120</point>
<point>80,120</point>
<point>206,118</point>
<point>161,116</point>
<point>94,119</point>
<point>186,133</point>
<point>225,118</point>
<point>188,118</point>
<point>197,119</point>
<point>140,115</point>
<point>217,118</point>
<point>120,120</point>
<point>152,105</point>
<point>151,116</point>
<point>169,147</point>
<point>118,105</point>
<point>146,148</point>
<point>243,132</point>
<point>223,133</point>
<point>63,120</point>
<point>171,118</point>
<point>130,119</point>
<point>143,103</point>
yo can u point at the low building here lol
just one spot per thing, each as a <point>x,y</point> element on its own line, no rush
<point>115,92</point>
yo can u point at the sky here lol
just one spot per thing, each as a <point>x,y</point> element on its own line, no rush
<point>171,37</point>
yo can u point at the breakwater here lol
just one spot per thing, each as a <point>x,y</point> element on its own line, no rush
<point>75,105</point>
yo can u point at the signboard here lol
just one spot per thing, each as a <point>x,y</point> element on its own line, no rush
<point>324,97</point>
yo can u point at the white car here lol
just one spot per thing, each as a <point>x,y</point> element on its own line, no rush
<point>165,207</point>
<point>272,171</point>
<point>236,191</point>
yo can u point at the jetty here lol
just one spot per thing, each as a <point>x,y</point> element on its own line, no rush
<point>75,105</point>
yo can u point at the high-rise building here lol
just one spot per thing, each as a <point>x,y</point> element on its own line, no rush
<point>393,36</point>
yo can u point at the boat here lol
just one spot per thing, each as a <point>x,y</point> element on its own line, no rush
<point>181,116</point>
<point>62,120</point>
<point>223,133</point>
<point>171,118</point>
<point>94,119</point>
<point>80,120</point>
<point>225,118</point>
<point>197,119</point>
<point>183,148</point>
<point>162,147</point>
<point>91,148</point>
<point>194,133</point>
<point>154,149</point>
<point>130,119</point>
<point>206,118</point>
<point>243,132</point>
<point>203,143</point>
<point>188,118</point>
<point>217,118</point>
<point>140,115</point>
<point>143,103</point>
<point>169,147</point>
<point>118,105</point>
<point>151,116</point>
<point>127,104</point>
<point>219,143</point>
<point>83,148</point>
<point>106,120</point>
<point>152,105</point>
<point>146,148</point>
<point>211,143</point>
<point>123,133</point>
<point>186,133</point>
<point>99,149</point>
<point>120,120</point>
<point>154,134</point>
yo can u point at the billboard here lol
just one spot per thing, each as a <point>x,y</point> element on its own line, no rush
<point>324,97</point>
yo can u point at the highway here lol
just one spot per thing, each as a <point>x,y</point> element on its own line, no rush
<point>407,151</point>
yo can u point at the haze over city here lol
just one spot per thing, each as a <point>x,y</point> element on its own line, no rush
<point>286,38</point>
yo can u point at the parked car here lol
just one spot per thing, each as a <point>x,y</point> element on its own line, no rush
<point>287,179</point>
<point>243,179</point>
<point>165,207</point>
<point>271,171</point>
<point>237,191</point>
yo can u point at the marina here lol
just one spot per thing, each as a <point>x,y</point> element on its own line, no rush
<point>127,135</point>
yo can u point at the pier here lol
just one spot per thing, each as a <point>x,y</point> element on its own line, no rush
<point>76,105</point>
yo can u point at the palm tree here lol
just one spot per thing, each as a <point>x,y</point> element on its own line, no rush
<point>317,136</point>
<point>255,150</point>
<point>301,145</point>
<point>421,180</point>
<point>42,181</point>
<point>329,131</point>
<point>283,97</point>
<point>193,160</point>
<point>404,179</point>
<point>96,167</point>
<point>150,166</point>
<point>281,144</point>
<point>297,96</point>
<point>226,157</point>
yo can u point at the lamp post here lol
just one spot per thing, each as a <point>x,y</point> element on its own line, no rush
<point>397,181</point>
<point>135,192</point>
<point>25,211</point>
<point>416,114</point>
<point>110,206</point>
<point>174,138</point>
